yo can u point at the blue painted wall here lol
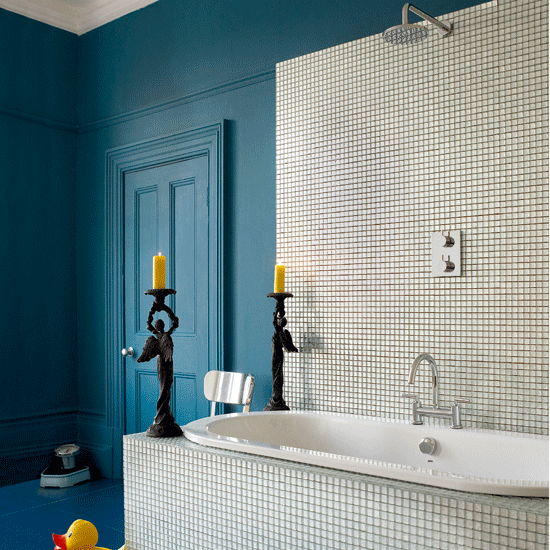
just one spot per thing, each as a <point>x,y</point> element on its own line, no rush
<point>38,374</point>
<point>37,69</point>
<point>169,67</point>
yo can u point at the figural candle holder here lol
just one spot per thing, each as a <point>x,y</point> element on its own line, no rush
<point>160,345</point>
<point>281,340</point>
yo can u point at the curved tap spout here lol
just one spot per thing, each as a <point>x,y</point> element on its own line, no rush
<point>433,366</point>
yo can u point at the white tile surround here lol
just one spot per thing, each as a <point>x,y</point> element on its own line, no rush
<point>377,147</point>
<point>182,496</point>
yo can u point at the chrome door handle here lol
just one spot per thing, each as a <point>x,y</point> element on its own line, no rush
<point>129,352</point>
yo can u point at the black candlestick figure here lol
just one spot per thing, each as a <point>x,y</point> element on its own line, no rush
<point>160,345</point>
<point>281,340</point>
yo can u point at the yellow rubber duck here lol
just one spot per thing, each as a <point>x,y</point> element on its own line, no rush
<point>82,535</point>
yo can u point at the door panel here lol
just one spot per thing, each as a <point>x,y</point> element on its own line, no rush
<point>145,239</point>
<point>147,390</point>
<point>166,210</point>
<point>183,395</point>
<point>183,201</point>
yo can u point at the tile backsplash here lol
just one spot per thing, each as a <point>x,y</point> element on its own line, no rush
<point>378,146</point>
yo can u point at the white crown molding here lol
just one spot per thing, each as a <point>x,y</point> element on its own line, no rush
<point>52,12</point>
<point>76,16</point>
<point>95,13</point>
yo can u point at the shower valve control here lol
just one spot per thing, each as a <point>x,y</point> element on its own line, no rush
<point>443,241</point>
<point>446,254</point>
<point>446,265</point>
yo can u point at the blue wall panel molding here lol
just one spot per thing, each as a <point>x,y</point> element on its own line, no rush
<point>97,439</point>
<point>35,435</point>
<point>185,390</point>
<point>196,96</point>
<point>146,389</point>
<point>35,119</point>
<point>40,435</point>
<point>146,154</point>
<point>138,113</point>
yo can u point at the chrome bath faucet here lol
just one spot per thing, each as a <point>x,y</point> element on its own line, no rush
<point>435,381</point>
<point>435,410</point>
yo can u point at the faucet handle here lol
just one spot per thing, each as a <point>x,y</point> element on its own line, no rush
<point>461,400</point>
<point>411,396</point>
<point>456,421</point>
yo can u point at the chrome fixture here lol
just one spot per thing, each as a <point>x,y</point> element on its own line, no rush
<point>412,34</point>
<point>433,366</point>
<point>418,411</point>
<point>446,254</point>
<point>427,446</point>
<point>127,352</point>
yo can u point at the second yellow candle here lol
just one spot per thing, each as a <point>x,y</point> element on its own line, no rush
<point>279,278</point>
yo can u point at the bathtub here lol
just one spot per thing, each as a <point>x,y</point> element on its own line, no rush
<point>479,461</point>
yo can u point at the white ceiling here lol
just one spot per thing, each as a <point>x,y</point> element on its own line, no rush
<point>77,16</point>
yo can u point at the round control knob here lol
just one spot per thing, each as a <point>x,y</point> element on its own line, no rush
<point>129,352</point>
<point>427,446</point>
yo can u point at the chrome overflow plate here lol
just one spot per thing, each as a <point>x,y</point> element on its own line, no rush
<point>428,446</point>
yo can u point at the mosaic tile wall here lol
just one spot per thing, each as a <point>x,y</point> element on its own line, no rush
<point>178,495</point>
<point>377,147</point>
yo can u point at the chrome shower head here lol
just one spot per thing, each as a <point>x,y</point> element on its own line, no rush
<point>405,34</point>
<point>412,34</point>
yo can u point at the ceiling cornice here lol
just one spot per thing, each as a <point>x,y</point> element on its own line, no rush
<point>77,17</point>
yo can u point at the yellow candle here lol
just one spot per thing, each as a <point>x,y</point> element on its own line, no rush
<point>279,278</point>
<point>159,271</point>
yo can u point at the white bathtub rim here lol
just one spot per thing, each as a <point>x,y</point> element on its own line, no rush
<point>374,419</point>
<point>197,432</point>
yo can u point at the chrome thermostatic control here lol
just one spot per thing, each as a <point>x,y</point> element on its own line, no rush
<point>428,446</point>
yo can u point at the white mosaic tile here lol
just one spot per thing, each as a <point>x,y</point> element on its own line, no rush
<point>180,495</point>
<point>377,147</point>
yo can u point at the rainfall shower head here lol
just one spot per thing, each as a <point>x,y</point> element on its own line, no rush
<point>405,34</point>
<point>412,34</point>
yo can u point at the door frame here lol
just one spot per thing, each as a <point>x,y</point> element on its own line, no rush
<point>175,147</point>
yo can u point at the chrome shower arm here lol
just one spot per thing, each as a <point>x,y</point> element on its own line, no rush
<point>445,27</point>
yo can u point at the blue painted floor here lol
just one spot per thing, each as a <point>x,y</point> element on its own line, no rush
<point>29,514</point>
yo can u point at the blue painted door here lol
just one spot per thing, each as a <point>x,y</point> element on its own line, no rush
<point>166,210</point>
